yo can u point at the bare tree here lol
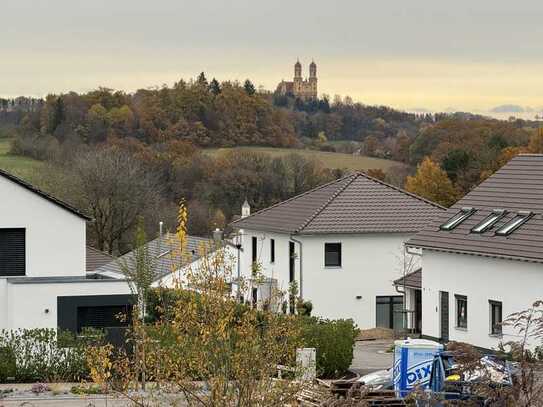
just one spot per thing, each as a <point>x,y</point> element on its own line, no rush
<point>115,188</point>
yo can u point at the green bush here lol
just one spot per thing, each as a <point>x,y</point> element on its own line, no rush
<point>334,341</point>
<point>42,355</point>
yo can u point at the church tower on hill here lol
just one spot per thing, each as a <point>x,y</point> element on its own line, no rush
<point>305,89</point>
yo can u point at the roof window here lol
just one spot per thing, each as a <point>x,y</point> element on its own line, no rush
<point>489,221</point>
<point>457,219</point>
<point>521,218</point>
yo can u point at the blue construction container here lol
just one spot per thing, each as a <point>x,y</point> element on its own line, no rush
<point>413,364</point>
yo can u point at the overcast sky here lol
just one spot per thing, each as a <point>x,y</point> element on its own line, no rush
<point>438,55</point>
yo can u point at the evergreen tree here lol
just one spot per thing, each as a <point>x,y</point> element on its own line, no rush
<point>249,87</point>
<point>202,80</point>
<point>215,87</point>
<point>58,115</point>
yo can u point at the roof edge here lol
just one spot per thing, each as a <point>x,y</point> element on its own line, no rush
<point>474,253</point>
<point>44,195</point>
<point>420,198</point>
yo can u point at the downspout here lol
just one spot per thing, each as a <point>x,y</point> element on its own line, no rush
<point>301,268</point>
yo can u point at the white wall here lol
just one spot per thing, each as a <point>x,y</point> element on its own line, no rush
<point>28,301</point>
<point>55,237</point>
<point>516,284</point>
<point>370,263</point>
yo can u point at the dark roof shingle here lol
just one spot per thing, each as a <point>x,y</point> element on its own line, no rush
<point>356,203</point>
<point>96,259</point>
<point>517,186</point>
<point>161,250</point>
<point>411,280</point>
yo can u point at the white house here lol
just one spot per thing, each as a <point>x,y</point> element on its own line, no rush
<point>482,259</point>
<point>43,278</point>
<point>342,243</point>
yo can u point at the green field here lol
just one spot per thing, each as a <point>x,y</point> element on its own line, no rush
<point>21,166</point>
<point>328,159</point>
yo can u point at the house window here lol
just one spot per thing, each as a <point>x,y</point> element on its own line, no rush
<point>389,312</point>
<point>521,218</point>
<point>461,311</point>
<point>495,308</point>
<point>457,219</point>
<point>254,248</point>
<point>272,250</point>
<point>12,252</point>
<point>489,221</point>
<point>332,255</point>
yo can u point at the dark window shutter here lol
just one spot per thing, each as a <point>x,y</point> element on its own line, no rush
<point>12,252</point>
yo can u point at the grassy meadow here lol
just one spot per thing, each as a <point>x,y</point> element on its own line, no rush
<point>22,167</point>
<point>328,159</point>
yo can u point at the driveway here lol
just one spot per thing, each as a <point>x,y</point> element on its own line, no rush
<point>372,355</point>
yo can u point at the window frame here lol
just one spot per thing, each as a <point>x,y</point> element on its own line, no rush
<point>254,249</point>
<point>457,318</point>
<point>489,221</point>
<point>272,251</point>
<point>457,219</point>
<point>518,220</point>
<point>15,268</point>
<point>340,255</point>
<point>495,327</point>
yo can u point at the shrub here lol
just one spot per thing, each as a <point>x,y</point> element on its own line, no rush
<point>42,355</point>
<point>7,364</point>
<point>334,341</point>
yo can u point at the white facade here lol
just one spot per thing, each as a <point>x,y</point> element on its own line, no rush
<point>370,264</point>
<point>515,284</point>
<point>55,239</point>
<point>41,310</point>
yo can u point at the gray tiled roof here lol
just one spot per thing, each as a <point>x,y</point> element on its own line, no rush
<point>96,259</point>
<point>411,280</point>
<point>161,250</point>
<point>356,203</point>
<point>517,186</point>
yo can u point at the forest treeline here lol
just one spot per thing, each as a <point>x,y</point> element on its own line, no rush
<point>105,148</point>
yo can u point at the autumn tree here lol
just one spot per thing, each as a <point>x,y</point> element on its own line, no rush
<point>536,142</point>
<point>432,183</point>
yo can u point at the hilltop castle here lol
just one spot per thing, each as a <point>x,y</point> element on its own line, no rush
<point>299,87</point>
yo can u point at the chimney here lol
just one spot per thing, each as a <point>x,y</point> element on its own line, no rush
<point>217,235</point>
<point>245,209</point>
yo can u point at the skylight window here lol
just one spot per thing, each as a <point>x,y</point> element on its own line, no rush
<point>457,219</point>
<point>521,218</point>
<point>489,221</point>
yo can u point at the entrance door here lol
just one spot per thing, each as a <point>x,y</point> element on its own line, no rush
<point>444,315</point>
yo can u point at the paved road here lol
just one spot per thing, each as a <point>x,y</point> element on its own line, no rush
<point>370,356</point>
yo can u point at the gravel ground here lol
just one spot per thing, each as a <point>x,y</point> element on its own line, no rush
<point>370,356</point>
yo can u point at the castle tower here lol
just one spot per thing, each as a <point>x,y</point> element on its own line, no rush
<point>312,80</point>
<point>297,70</point>
<point>312,70</point>
<point>298,81</point>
